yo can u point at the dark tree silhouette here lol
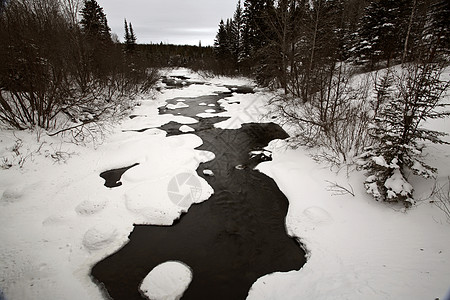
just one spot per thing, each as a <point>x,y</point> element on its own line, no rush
<point>94,22</point>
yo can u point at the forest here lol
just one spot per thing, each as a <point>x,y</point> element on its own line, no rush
<point>301,151</point>
<point>62,69</point>
<point>313,50</point>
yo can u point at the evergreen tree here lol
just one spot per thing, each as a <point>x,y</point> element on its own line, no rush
<point>127,32</point>
<point>130,37</point>
<point>406,101</point>
<point>256,31</point>
<point>2,5</point>
<point>133,38</point>
<point>381,32</point>
<point>229,25</point>
<point>94,22</point>
<point>222,46</point>
<point>319,48</point>
<point>229,40</point>
<point>236,33</point>
<point>437,31</point>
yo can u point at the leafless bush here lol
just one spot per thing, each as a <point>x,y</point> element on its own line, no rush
<point>18,155</point>
<point>50,68</point>
<point>441,196</point>
<point>335,118</point>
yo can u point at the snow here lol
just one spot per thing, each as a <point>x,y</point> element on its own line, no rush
<point>208,172</point>
<point>185,128</point>
<point>379,160</point>
<point>99,236</point>
<point>57,219</point>
<point>167,281</point>
<point>396,184</point>
<point>178,105</point>
<point>358,248</point>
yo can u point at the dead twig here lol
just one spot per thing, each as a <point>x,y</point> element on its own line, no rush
<point>339,190</point>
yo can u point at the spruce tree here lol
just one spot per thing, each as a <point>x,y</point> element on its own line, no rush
<point>127,31</point>
<point>407,100</point>
<point>381,32</point>
<point>221,43</point>
<point>94,22</point>
<point>256,31</point>
<point>2,5</point>
<point>130,37</point>
<point>236,33</point>
<point>437,31</point>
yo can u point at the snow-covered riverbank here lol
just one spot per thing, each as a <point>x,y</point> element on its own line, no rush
<point>58,220</point>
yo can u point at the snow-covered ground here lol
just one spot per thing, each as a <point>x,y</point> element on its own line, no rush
<point>57,219</point>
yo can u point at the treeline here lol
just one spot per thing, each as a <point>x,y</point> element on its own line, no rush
<point>167,55</point>
<point>290,43</point>
<point>60,66</point>
<point>318,52</point>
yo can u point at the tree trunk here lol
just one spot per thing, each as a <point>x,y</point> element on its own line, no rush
<point>408,32</point>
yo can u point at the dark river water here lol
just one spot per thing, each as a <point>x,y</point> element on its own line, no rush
<point>228,241</point>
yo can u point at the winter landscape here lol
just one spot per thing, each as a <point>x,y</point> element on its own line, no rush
<point>131,171</point>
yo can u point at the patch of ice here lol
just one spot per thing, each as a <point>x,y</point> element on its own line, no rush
<point>178,105</point>
<point>185,128</point>
<point>206,115</point>
<point>202,104</point>
<point>210,111</point>
<point>204,156</point>
<point>167,281</point>
<point>208,172</point>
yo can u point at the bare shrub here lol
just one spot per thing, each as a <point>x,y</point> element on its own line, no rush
<point>50,68</point>
<point>441,196</point>
<point>335,118</point>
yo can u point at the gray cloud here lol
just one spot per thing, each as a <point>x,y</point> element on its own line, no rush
<point>169,21</point>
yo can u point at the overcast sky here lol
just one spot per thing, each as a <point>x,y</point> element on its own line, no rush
<point>169,21</point>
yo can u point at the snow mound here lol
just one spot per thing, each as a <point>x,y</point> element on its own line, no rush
<point>99,237</point>
<point>185,128</point>
<point>57,220</point>
<point>203,156</point>
<point>156,210</point>
<point>167,281</point>
<point>178,105</point>
<point>208,172</point>
<point>317,215</point>
<point>89,207</point>
<point>12,194</point>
